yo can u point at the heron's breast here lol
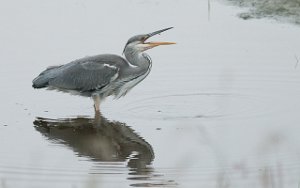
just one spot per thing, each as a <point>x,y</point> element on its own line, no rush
<point>124,86</point>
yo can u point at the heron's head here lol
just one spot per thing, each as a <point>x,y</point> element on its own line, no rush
<point>139,42</point>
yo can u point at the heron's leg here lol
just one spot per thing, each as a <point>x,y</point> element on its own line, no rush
<point>96,99</point>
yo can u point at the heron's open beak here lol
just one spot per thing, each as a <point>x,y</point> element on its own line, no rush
<point>154,44</point>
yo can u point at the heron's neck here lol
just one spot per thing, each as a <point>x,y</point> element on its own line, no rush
<point>138,59</point>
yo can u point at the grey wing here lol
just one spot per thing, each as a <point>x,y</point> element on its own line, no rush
<point>84,76</point>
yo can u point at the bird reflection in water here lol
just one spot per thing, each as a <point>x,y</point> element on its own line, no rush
<point>100,140</point>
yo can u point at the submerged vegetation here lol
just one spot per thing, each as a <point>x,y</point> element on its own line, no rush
<point>283,10</point>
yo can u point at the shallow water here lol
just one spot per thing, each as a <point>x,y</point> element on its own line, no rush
<point>219,109</point>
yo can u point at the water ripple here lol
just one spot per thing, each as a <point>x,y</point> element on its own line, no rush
<point>198,105</point>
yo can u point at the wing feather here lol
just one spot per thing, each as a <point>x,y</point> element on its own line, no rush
<point>84,76</point>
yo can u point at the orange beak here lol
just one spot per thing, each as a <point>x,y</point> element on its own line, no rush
<point>154,44</point>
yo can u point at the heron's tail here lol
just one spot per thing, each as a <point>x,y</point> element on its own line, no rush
<point>43,79</point>
<point>40,82</point>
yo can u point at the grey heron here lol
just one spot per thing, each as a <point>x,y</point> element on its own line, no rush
<point>102,75</point>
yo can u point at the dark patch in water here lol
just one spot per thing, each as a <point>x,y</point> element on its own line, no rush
<point>283,10</point>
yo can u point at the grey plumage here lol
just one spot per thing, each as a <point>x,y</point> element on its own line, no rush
<point>102,75</point>
<point>89,75</point>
